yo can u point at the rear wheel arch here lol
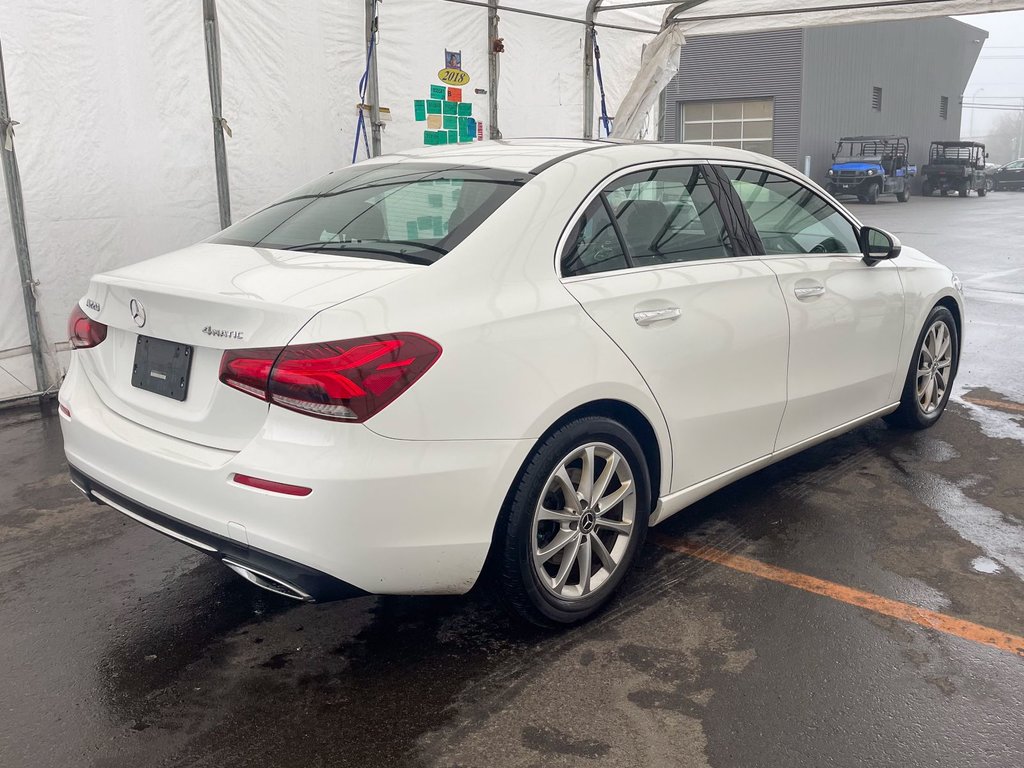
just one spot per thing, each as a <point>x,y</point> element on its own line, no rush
<point>631,418</point>
<point>617,410</point>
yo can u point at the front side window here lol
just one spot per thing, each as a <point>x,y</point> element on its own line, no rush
<point>662,216</point>
<point>789,217</point>
<point>411,212</point>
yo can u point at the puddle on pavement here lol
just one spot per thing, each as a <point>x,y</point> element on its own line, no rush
<point>986,565</point>
<point>995,534</point>
<point>993,422</point>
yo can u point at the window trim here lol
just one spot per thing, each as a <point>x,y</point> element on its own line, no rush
<point>810,186</point>
<point>598,190</point>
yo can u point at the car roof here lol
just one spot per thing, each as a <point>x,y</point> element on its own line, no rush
<point>533,155</point>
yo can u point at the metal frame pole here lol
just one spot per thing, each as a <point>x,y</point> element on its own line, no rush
<point>372,84</point>
<point>16,204</point>
<point>588,69</point>
<point>220,125</point>
<point>493,67</point>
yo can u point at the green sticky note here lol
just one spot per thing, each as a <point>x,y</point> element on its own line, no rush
<point>412,230</point>
<point>465,108</point>
<point>441,137</point>
<point>425,222</point>
<point>419,107</point>
<point>435,200</point>
<point>438,92</point>
<point>464,137</point>
<point>438,227</point>
<point>433,107</point>
<point>450,107</point>
<point>453,137</point>
<point>451,123</point>
<point>428,137</point>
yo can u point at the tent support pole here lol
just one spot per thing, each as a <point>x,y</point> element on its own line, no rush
<point>213,72</point>
<point>16,204</point>
<point>492,70</point>
<point>588,69</point>
<point>372,84</point>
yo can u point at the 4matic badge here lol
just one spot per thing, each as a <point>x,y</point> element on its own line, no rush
<point>221,333</point>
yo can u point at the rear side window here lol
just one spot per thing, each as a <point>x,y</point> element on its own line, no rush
<point>593,245</point>
<point>789,217</point>
<point>661,216</point>
<point>414,212</point>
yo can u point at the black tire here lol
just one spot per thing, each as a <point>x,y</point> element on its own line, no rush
<point>518,580</point>
<point>964,190</point>
<point>910,414</point>
<point>903,196</point>
<point>926,190</point>
<point>871,194</point>
<point>982,191</point>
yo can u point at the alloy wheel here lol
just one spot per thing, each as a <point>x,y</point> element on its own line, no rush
<point>584,521</point>
<point>934,363</point>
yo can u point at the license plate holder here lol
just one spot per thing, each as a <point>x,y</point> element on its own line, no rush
<point>162,367</point>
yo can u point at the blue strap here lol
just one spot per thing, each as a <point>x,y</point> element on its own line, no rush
<point>363,82</point>
<point>600,85</point>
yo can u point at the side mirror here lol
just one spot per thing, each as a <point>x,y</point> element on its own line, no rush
<point>986,155</point>
<point>878,245</point>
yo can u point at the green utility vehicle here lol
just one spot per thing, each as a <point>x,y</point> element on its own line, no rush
<point>955,166</point>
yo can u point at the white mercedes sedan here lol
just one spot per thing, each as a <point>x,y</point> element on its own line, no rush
<point>513,354</point>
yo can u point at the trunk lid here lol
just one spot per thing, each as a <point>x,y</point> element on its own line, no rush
<point>213,297</point>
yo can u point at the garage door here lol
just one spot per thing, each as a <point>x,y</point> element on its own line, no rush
<point>742,124</point>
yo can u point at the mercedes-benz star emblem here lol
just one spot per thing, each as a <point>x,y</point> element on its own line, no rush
<point>138,312</point>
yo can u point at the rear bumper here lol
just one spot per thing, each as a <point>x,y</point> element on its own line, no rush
<point>262,568</point>
<point>384,516</point>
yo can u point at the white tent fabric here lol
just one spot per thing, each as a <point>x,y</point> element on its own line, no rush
<point>115,134</point>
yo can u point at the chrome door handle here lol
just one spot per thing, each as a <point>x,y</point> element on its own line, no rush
<point>649,316</point>
<point>806,292</point>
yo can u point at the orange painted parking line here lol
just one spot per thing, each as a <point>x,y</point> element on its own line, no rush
<point>967,630</point>
<point>1002,405</point>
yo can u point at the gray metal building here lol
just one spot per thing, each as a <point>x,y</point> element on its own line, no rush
<point>792,93</point>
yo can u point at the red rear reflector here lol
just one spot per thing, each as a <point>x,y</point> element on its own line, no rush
<point>64,409</point>
<point>343,380</point>
<point>83,331</point>
<point>272,486</point>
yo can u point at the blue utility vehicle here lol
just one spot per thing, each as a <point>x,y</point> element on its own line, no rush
<point>868,167</point>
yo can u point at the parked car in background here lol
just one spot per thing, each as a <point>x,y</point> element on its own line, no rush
<point>521,353</point>
<point>955,166</point>
<point>869,167</point>
<point>1009,176</point>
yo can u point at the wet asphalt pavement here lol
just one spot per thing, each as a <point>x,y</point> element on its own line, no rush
<point>119,647</point>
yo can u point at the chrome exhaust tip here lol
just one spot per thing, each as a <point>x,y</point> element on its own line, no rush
<point>267,582</point>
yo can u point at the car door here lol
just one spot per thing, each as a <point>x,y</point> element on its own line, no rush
<point>1011,174</point>
<point>845,317</point>
<point>652,261</point>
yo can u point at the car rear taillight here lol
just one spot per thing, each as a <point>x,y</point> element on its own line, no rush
<point>83,331</point>
<point>344,380</point>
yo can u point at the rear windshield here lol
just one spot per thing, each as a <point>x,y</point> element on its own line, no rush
<point>409,212</point>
